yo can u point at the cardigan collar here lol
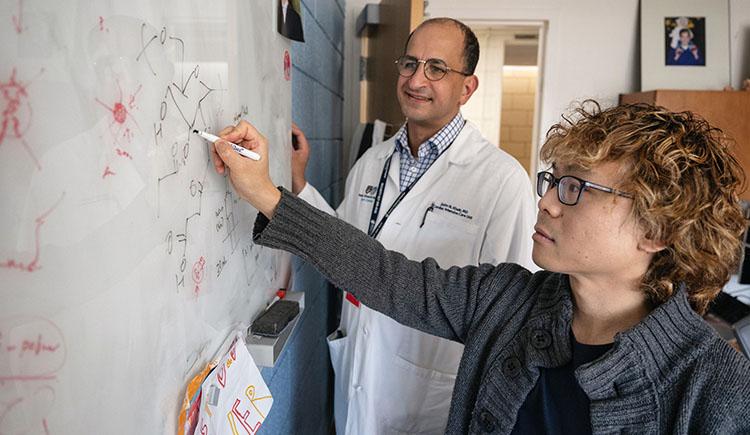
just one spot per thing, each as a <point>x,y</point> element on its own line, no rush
<point>625,379</point>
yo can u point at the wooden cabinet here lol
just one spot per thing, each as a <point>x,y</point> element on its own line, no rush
<point>727,110</point>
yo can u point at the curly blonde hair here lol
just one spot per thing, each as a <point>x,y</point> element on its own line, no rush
<point>685,183</point>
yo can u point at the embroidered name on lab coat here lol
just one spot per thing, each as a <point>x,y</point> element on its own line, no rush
<point>458,211</point>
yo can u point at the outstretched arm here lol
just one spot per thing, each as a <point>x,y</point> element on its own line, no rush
<point>417,294</point>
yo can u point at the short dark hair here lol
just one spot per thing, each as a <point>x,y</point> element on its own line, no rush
<point>471,44</point>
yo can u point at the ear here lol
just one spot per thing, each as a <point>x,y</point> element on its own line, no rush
<point>650,246</point>
<point>471,83</point>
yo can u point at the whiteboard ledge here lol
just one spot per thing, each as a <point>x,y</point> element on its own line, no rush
<point>266,350</point>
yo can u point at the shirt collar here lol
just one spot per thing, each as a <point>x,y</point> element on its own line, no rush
<point>439,141</point>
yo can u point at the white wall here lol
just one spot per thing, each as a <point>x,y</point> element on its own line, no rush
<point>592,47</point>
<point>739,40</point>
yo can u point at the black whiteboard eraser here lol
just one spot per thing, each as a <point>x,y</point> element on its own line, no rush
<point>272,321</point>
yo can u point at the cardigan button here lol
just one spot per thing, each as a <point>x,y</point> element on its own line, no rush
<point>487,421</point>
<point>541,339</point>
<point>512,367</point>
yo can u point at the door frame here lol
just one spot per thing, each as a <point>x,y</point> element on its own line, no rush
<point>542,27</point>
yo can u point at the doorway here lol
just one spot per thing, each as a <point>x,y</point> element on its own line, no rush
<point>505,107</point>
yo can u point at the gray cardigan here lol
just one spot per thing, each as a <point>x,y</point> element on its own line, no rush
<point>669,374</point>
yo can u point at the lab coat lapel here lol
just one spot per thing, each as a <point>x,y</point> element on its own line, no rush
<point>460,152</point>
<point>391,190</point>
<point>389,149</point>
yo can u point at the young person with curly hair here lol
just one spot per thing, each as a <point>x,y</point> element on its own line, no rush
<point>638,228</point>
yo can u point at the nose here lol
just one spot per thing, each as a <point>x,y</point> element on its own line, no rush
<point>418,79</point>
<point>549,203</point>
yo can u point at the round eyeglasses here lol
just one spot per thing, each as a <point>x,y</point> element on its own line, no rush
<point>434,69</point>
<point>570,188</point>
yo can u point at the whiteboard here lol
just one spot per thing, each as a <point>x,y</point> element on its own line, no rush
<point>125,260</point>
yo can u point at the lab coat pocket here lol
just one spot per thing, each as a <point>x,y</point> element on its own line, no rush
<point>340,359</point>
<point>449,239</point>
<point>423,401</point>
<point>341,362</point>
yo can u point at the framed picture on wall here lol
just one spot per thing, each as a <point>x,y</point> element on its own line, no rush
<point>684,44</point>
<point>289,20</point>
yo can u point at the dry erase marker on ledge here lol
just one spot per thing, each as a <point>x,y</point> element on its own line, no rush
<point>280,294</point>
<point>240,150</point>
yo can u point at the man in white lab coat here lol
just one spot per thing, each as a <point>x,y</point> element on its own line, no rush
<point>436,189</point>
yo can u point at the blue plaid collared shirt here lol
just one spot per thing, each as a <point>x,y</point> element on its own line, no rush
<point>413,168</point>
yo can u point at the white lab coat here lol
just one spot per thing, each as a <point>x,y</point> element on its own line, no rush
<point>391,379</point>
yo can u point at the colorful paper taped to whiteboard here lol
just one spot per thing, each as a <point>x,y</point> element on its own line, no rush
<point>232,398</point>
<point>188,417</point>
<point>242,399</point>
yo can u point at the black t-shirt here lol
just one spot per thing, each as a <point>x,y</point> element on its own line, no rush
<point>557,404</point>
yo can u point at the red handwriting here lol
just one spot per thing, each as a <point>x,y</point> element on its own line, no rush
<point>27,411</point>
<point>33,265</point>
<point>38,346</point>
<point>121,114</point>
<point>287,66</point>
<point>8,408</point>
<point>107,172</point>
<point>123,153</point>
<point>198,272</point>
<point>17,19</point>
<point>16,110</point>
<point>34,348</point>
<point>101,25</point>
<point>23,378</point>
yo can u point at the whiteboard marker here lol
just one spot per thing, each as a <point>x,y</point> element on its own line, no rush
<point>279,295</point>
<point>240,150</point>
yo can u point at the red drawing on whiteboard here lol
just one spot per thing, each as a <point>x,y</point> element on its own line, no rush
<point>120,127</point>
<point>287,66</point>
<point>16,113</point>
<point>33,265</point>
<point>33,347</point>
<point>18,19</point>
<point>123,153</point>
<point>107,172</point>
<point>27,411</point>
<point>8,407</point>
<point>37,346</point>
<point>24,378</point>
<point>101,25</point>
<point>199,269</point>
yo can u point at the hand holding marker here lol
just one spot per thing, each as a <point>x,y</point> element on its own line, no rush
<point>240,150</point>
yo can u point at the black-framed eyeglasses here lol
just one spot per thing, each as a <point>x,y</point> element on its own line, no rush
<point>434,69</point>
<point>569,188</point>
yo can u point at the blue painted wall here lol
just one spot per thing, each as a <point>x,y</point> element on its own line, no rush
<point>301,382</point>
